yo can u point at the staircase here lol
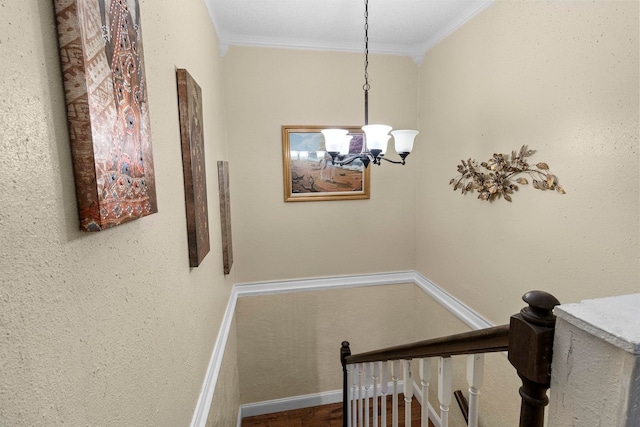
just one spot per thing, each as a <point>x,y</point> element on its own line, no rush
<point>528,339</point>
<point>596,377</point>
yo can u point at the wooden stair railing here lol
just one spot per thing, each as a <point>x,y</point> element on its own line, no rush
<point>528,340</point>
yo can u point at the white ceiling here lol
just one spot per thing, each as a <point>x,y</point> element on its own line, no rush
<point>399,27</point>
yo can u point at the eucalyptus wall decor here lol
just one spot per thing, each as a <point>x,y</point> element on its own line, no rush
<point>498,176</point>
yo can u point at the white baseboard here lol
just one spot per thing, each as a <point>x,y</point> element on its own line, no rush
<point>203,405</point>
<point>317,399</point>
<point>291,403</point>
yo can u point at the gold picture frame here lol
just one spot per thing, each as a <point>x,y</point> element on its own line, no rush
<point>310,175</point>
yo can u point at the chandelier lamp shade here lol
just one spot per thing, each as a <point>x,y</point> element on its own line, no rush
<point>376,137</point>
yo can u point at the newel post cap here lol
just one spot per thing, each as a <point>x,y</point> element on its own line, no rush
<point>531,337</point>
<point>345,351</point>
<point>540,309</point>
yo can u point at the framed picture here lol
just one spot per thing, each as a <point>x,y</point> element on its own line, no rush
<point>107,110</point>
<point>193,166</point>
<point>309,173</point>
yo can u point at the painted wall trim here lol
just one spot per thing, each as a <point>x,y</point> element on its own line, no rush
<point>290,403</point>
<point>203,405</point>
<point>455,306</point>
<point>323,283</point>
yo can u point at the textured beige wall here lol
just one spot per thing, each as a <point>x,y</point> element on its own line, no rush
<point>289,344</point>
<point>268,88</point>
<point>561,77</point>
<point>111,328</point>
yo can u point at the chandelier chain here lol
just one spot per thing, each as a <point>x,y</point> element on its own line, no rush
<point>366,85</point>
<point>372,151</point>
<point>366,46</point>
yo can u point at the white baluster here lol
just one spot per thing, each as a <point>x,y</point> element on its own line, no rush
<point>395,371</point>
<point>444,389</point>
<point>425,377</point>
<point>475,374</point>
<point>384,379</point>
<point>367,384</point>
<point>360,397</point>
<point>376,377</point>
<point>408,392</point>
<point>348,409</point>
<point>354,397</point>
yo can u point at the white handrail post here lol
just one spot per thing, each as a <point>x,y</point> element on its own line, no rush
<point>360,394</point>
<point>444,389</point>
<point>425,377</point>
<point>350,399</point>
<point>354,397</point>
<point>395,370</point>
<point>384,382</point>
<point>475,374</point>
<point>376,377</point>
<point>408,392</point>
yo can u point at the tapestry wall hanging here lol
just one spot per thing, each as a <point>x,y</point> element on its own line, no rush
<point>309,173</point>
<point>193,166</point>
<point>107,110</point>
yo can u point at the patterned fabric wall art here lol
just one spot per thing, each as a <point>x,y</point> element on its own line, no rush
<point>107,109</point>
<point>193,166</point>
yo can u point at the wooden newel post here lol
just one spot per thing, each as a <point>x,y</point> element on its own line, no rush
<point>345,351</point>
<point>530,349</point>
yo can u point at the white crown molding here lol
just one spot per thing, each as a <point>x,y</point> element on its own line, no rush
<point>416,51</point>
<point>455,306</point>
<point>223,37</point>
<point>280,43</point>
<point>452,27</point>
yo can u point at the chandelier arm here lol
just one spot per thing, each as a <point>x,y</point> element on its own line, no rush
<point>397,162</point>
<point>346,159</point>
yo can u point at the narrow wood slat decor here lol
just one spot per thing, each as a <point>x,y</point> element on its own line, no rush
<point>324,416</point>
<point>225,215</point>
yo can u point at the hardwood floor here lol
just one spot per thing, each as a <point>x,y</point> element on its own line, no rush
<point>325,416</point>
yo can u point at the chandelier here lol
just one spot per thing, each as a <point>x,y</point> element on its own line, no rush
<point>376,137</point>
